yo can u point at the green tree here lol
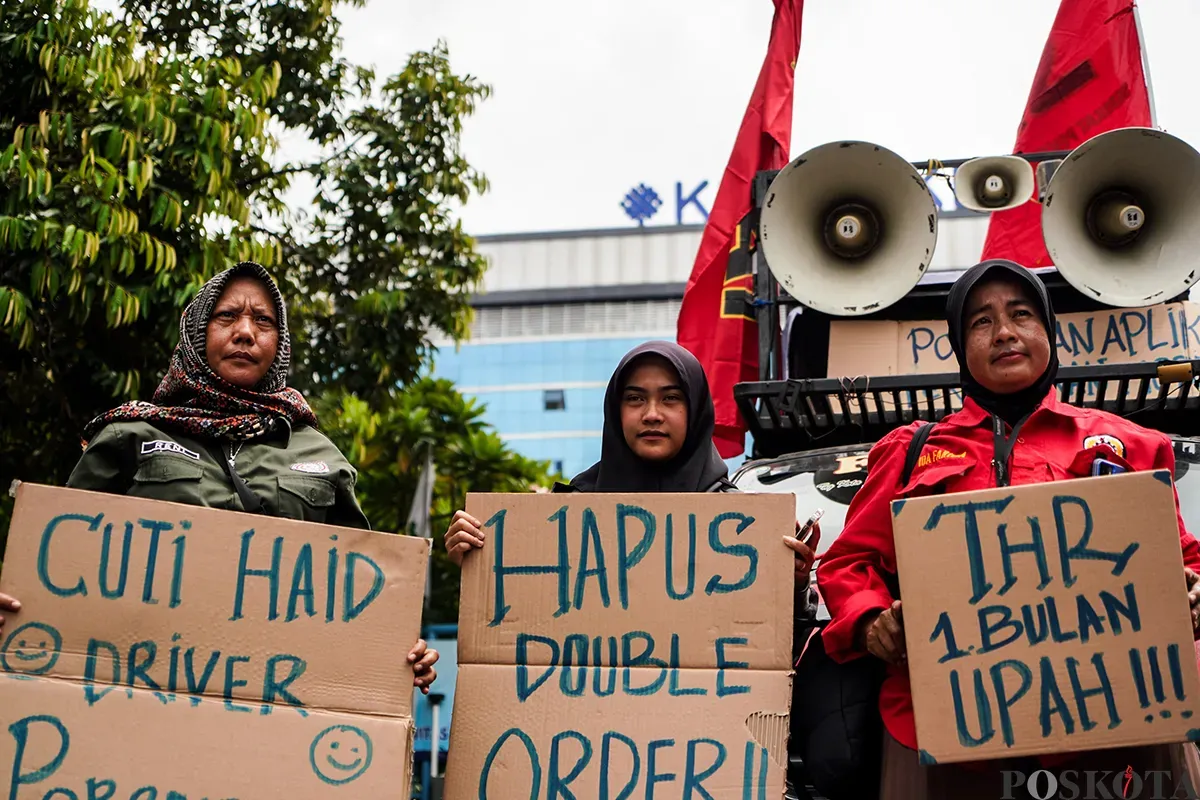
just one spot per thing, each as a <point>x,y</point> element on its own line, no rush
<point>389,441</point>
<point>116,175</point>
<point>140,156</point>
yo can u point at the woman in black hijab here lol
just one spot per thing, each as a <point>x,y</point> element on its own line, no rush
<point>1013,406</point>
<point>657,437</point>
<point>658,428</point>
<point>1011,430</point>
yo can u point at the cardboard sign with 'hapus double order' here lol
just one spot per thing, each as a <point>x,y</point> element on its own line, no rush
<point>624,646</point>
<point>169,651</point>
<point>1047,618</point>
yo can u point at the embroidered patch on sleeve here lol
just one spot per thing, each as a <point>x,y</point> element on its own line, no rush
<point>315,467</point>
<point>937,455</point>
<point>164,446</point>
<point>1116,444</point>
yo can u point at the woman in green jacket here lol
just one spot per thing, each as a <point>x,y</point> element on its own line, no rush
<point>224,430</point>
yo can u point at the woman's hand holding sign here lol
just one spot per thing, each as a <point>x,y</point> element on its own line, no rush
<point>465,533</point>
<point>9,603</point>
<point>1193,587</point>
<point>422,658</point>
<point>883,636</point>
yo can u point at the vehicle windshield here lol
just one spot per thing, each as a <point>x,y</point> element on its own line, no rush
<point>828,479</point>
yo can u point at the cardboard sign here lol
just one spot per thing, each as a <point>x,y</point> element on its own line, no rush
<point>1047,618</point>
<point>170,651</point>
<point>625,646</point>
<point>1128,335</point>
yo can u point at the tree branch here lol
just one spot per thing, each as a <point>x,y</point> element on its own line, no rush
<point>257,179</point>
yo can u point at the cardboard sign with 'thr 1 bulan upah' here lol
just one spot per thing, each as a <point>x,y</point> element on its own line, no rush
<point>165,651</point>
<point>1047,618</point>
<point>624,646</point>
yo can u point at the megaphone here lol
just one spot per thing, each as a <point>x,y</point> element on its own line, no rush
<point>1121,217</point>
<point>995,183</point>
<point>1045,172</point>
<point>848,228</point>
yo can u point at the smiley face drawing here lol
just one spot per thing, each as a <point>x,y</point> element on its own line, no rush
<point>32,649</point>
<point>340,754</point>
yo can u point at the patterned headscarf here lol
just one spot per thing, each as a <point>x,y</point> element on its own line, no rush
<point>193,399</point>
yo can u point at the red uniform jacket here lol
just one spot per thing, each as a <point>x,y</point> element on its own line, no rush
<point>1057,442</point>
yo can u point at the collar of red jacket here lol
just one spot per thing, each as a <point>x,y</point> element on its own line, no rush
<point>972,415</point>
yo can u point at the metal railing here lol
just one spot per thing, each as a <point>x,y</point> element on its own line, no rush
<point>802,413</point>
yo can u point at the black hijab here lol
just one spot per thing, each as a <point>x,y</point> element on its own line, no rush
<point>1009,407</point>
<point>698,465</point>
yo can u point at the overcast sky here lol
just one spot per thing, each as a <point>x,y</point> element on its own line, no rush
<point>592,98</point>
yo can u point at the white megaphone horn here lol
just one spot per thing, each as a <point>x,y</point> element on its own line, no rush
<point>995,183</point>
<point>848,228</point>
<point>1121,217</point>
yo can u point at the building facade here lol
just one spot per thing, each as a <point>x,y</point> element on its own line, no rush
<point>558,310</point>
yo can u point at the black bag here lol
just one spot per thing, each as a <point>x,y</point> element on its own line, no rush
<point>835,724</point>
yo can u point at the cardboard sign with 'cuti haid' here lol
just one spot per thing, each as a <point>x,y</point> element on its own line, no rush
<point>170,651</point>
<point>624,646</point>
<point>1047,618</point>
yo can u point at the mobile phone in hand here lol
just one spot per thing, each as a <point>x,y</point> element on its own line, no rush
<point>805,532</point>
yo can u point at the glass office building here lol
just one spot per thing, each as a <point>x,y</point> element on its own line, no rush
<point>558,310</point>
<point>544,391</point>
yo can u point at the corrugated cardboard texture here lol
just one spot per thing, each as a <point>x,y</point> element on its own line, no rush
<point>874,348</point>
<point>722,737</point>
<point>191,746</point>
<point>1081,646</point>
<point>163,601</point>
<point>866,348</point>
<point>754,559</point>
<point>716,683</point>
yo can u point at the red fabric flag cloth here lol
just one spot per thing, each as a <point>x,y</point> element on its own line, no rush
<point>1090,80</point>
<point>716,323</point>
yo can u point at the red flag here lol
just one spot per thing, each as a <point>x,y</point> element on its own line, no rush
<point>716,321</point>
<point>1090,80</point>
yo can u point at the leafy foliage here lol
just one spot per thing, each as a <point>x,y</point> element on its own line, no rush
<point>117,199</point>
<point>139,156</point>
<point>388,258</point>
<point>388,442</point>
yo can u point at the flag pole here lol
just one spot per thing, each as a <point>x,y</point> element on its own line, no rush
<point>427,499</point>
<point>1137,22</point>
<point>418,522</point>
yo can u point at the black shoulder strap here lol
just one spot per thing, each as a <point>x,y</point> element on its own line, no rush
<point>920,435</point>
<point>250,501</point>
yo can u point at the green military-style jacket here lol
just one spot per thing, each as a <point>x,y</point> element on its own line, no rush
<point>296,473</point>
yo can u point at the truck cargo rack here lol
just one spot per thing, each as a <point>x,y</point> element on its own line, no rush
<point>802,413</point>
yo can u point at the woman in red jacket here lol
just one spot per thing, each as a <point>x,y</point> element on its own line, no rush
<point>1012,430</point>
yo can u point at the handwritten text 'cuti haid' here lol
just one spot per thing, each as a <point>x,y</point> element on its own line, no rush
<point>273,583</point>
